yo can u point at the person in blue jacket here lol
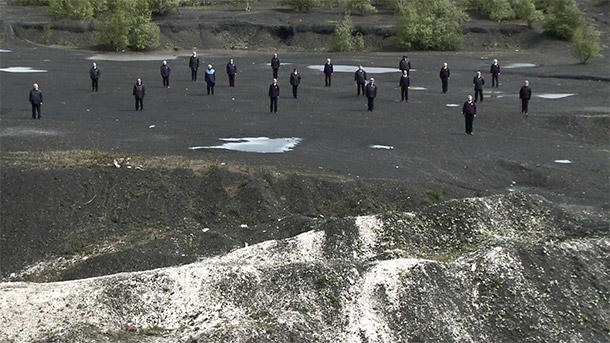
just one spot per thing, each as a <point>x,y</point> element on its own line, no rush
<point>210,79</point>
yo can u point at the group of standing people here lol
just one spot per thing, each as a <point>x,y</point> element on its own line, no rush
<point>364,85</point>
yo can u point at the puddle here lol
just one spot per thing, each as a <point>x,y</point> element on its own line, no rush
<point>453,105</point>
<point>554,95</point>
<point>507,95</point>
<point>131,57</point>
<point>281,63</point>
<point>263,145</point>
<point>493,92</point>
<point>376,146</point>
<point>352,69</point>
<point>22,70</point>
<point>563,161</point>
<point>26,132</point>
<point>4,50</point>
<point>417,88</point>
<point>519,65</point>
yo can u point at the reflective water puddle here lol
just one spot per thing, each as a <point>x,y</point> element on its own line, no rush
<point>22,70</point>
<point>377,146</point>
<point>519,65</point>
<point>554,95</point>
<point>263,145</point>
<point>352,69</point>
<point>453,105</point>
<point>26,132</point>
<point>563,161</point>
<point>4,50</point>
<point>417,88</point>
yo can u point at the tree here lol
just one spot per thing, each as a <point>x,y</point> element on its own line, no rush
<point>526,9</point>
<point>361,6</point>
<point>344,38</point>
<point>563,19</point>
<point>127,25</point>
<point>429,25</point>
<point>163,6</point>
<point>73,9</point>
<point>301,5</point>
<point>585,43</point>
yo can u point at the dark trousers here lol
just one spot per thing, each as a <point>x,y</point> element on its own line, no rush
<point>294,91</point>
<point>469,118</point>
<point>445,85</point>
<point>360,86</point>
<point>165,81</point>
<point>139,103</point>
<point>275,73</point>
<point>273,104</point>
<point>210,89</point>
<point>193,74</point>
<point>404,94</point>
<point>231,80</point>
<point>36,108</point>
<point>327,78</point>
<point>94,85</point>
<point>524,103</point>
<point>371,104</point>
<point>494,80</point>
<point>478,93</point>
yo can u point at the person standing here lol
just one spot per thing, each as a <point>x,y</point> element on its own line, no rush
<point>139,91</point>
<point>94,74</point>
<point>371,93</point>
<point>404,84</point>
<point>525,94</point>
<point>328,72</point>
<point>275,65</point>
<point>231,71</point>
<point>495,71</point>
<point>274,94</point>
<point>478,82</point>
<point>445,74</point>
<point>360,78</point>
<point>36,101</point>
<point>194,63</point>
<point>210,79</point>
<point>405,64</point>
<point>469,110</point>
<point>165,71</point>
<point>295,81</point>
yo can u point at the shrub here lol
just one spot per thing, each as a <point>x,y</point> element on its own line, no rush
<point>500,10</point>
<point>361,6</point>
<point>245,3</point>
<point>144,36</point>
<point>429,25</point>
<point>73,9</point>
<point>301,5</point>
<point>526,9</point>
<point>28,2</point>
<point>127,25</point>
<point>585,43</point>
<point>563,18</point>
<point>344,38</point>
<point>163,6</point>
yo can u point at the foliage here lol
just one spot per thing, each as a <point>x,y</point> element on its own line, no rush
<point>361,6</point>
<point>73,9</point>
<point>301,5</point>
<point>526,9</point>
<point>344,38</point>
<point>245,3</point>
<point>585,43</point>
<point>429,25</point>
<point>500,10</point>
<point>563,18</point>
<point>163,6</point>
<point>127,25</point>
<point>28,2</point>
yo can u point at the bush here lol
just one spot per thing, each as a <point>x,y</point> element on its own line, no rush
<point>144,36</point>
<point>500,10</point>
<point>73,9</point>
<point>361,6</point>
<point>563,19</point>
<point>28,2</point>
<point>526,9</point>
<point>344,38</point>
<point>301,5</point>
<point>163,6</point>
<point>585,43</point>
<point>127,25</point>
<point>429,25</point>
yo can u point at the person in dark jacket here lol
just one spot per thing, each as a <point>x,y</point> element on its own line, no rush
<point>94,74</point>
<point>371,93</point>
<point>274,94</point>
<point>445,74</point>
<point>210,79</point>
<point>495,71</point>
<point>295,80</point>
<point>404,84</point>
<point>165,71</point>
<point>36,100</point>
<point>405,64</point>
<point>478,82</point>
<point>469,110</point>
<point>525,94</point>
<point>328,72</point>
<point>194,63</point>
<point>139,91</point>
<point>231,71</point>
<point>360,79</point>
<point>275,65</point>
